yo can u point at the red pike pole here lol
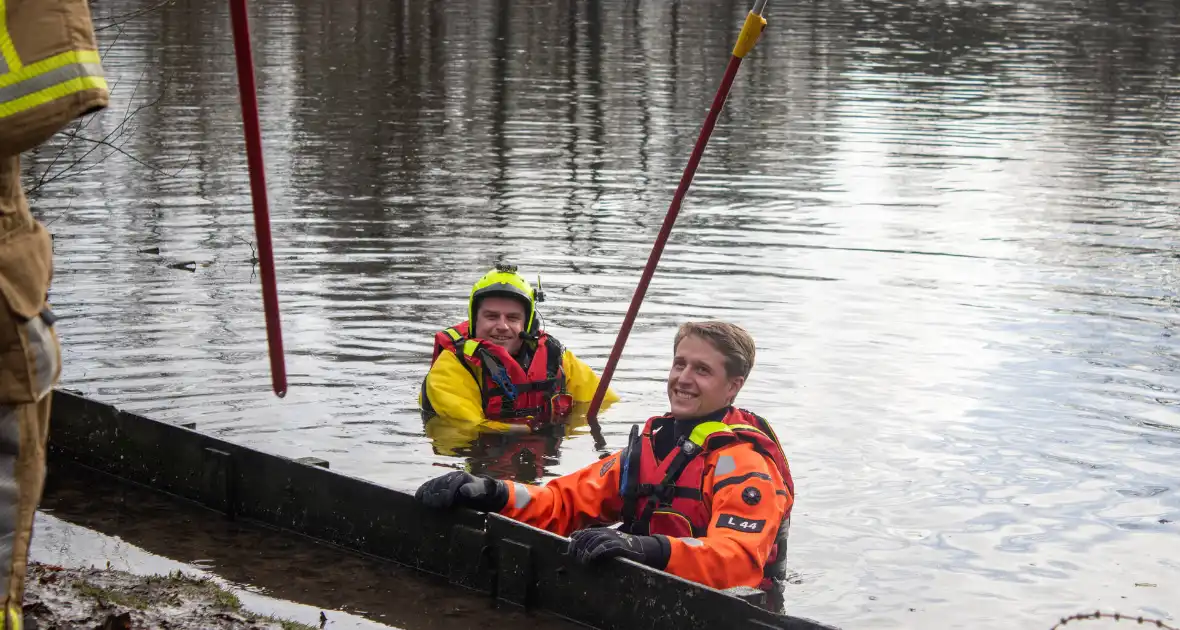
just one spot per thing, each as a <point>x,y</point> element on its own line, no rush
<point>751,31</point>
<point>249,97</point>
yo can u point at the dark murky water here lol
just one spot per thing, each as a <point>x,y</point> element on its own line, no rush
<point>90,520</point>
<point>951,227</point>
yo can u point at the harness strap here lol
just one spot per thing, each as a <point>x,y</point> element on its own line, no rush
<point>554,368</point>
<point>544,385</point>
<point>629,477</point>
<point>466,349</point>
<point>669,492</point>
<point>499,376</point>
<point>490,372</point>
<point>662,494</point>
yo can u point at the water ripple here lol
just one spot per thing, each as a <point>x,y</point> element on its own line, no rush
<point>948,225</point>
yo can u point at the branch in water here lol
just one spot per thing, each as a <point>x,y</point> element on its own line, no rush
<point>71,169</point>
<point>120,20</point>
<point>118,149</point>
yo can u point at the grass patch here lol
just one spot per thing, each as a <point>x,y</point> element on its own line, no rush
<point>226,599</point>
<point>222,598</point>
<point>173,600</point>
<point>200,587</point>
<point>111,595</point>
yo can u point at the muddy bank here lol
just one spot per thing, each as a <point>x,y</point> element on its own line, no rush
<point>58,598</point>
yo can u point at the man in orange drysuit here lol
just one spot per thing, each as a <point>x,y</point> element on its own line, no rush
<point>704,492</point>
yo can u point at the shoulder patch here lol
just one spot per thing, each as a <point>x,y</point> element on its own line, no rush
<point>606,466</point>
<point>748,525</point>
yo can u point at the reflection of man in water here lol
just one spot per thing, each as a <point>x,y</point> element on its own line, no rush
<point>509,455</point>
<point>500,369</point>
<point>50,73</point>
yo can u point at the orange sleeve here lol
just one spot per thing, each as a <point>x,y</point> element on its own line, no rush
<point>584,498</point>
<point>747,499</point>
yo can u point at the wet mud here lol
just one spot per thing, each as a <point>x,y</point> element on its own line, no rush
<point>109,599</point>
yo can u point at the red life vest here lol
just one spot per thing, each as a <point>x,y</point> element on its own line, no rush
<point>509,392</point>
<point>666,497</point>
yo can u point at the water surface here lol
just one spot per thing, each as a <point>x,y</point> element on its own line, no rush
<point>950,226</point>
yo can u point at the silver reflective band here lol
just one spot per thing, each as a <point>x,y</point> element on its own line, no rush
<point>522,495</point>
<point>45,353</point>
<point>49,79</point>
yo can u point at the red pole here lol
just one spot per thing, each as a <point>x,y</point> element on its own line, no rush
<point>751,30</point>
<point>249,97</point>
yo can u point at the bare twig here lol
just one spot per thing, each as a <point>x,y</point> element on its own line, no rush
<point>120,150</point>
<point>120,20</point>
<point>1115,616</point>
<point>253,254</point>
<point>63,213</point>
<point>71,169</point>
<point>114,41</point>
<point>61,152</point>
<point>73,133</point>
<point>78,126</point>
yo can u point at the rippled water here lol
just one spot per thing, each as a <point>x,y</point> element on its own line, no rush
<point>950,226</point>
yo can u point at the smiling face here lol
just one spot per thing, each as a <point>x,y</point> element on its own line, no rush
<point>500,320</point>
<point>698,383</point>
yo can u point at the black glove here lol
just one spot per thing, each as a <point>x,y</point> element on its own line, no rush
<point>600,543</point>
<point>464,489</point>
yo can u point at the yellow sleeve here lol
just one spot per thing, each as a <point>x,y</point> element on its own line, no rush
<point>581,381</point>
<point>452,390</point>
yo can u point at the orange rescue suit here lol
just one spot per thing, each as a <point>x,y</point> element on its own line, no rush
<point>742,513</point>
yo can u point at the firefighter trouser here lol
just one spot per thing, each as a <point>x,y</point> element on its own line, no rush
<point>23,433</point>
<point>30,365</point>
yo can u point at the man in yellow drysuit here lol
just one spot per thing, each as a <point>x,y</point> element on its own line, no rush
<point>500,369</point>
<point>49,75</point>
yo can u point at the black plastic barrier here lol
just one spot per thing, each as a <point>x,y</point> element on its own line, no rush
<point>502,558</point>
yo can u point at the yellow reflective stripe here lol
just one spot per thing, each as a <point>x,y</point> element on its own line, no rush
<point>47,79</point>
<point>454,334</point>
<point>705,430</point>
<point>470,346</point>
<point>51,94</point>
<point>52,63</point>
<point>13,618</point>
<point>50,79</point>
<point>7,49</point>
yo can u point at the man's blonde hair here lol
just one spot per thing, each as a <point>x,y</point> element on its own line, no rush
<point>731,340</point>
